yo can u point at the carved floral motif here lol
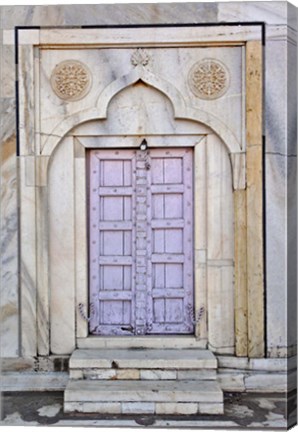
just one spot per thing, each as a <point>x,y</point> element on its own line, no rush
<point>140,57</point>
<point>71,80</point>
<point>208,79</point>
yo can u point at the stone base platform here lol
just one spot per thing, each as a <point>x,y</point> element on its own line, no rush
<point>143,381</point>
<point>144,397</point>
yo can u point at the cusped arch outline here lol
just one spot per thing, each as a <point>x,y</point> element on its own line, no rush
<point>181,110</point>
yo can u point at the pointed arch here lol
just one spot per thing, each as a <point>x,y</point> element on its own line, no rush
<point>181,110</point>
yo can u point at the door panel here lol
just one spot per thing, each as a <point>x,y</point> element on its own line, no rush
<point>111,222</point>
<point>141,273</point>
<point>170,296</point>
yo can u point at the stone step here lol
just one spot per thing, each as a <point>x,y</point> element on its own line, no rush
<point>168,359</point>
<point>142,374</point>
<point>144,397</point>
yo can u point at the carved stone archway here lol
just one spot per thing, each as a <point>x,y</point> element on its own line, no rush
<point>39,138</point>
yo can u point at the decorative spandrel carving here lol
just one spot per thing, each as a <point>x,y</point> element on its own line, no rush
<point>208,79</point>
<point>140,57</point>
<point>71,80</point>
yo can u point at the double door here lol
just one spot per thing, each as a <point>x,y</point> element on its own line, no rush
<point>141,241</point>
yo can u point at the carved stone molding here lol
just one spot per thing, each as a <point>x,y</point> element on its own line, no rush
<point>71,80</point>
<point>208,79</point>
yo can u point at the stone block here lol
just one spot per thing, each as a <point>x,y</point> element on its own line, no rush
<point>143,391</point>
<point>158,374</point>
<point>211,408</point>
<point>99,374</point>
<point>11,364</point>
<point>181,342</point>
<point>266,383</point>
<point>143,359</point>
<point>231,382</point>
<point>232,362</point>
<point>269,365</point>
<point>93,407</point>
<point>200,374</point>
<point>176,408</point>
<point>138,408</point>
<point>76,374</point>
<point>127,374</point>
<point>32,381</point>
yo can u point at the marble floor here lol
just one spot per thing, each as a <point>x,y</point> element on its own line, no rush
<point>249,411</point>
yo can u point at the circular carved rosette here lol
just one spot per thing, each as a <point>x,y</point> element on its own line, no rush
<point>71,80</point>
<point>208,79</point>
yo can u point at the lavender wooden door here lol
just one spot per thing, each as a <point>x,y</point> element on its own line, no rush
<point>141,241</point>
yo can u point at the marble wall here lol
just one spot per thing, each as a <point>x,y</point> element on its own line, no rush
<point>279,131</point>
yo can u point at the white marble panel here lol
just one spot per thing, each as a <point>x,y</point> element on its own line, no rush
<point>7,72</point>
<point>220,232</point>
<point>292,250</point>
<point>62,249</point>
<point>172,64</point>
<point>32,15</point>
<point>141,13</point>
<point>221,337</point>
<point>8,37</point>
<point>26,99</point>
<point>28,37</point>
<point>292,193</point>
<point>158,13</point>
<point>275,100</point>
<point>42,270</point>
<point>163,35</point>
<point>168,66</point>
<point>28,282</point>
<point>9,301</point>
<point>81,259</point>
<point>200,237</point>
<point>269,12</point>
<point>276,252</point>
<point>32,381</point>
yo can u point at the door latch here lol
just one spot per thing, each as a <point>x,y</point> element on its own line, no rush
<point>128,329</point>
<point>144,148</point>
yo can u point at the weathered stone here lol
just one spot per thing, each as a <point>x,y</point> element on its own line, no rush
<point>76,374</point>
<point>207,408</point>
<point>34,381</point>
<point>99,374</point>
<point>200,374</point>
<point>143,391</point>
<point>93,407</point>
<point>143,359</point>
<point>266,382</point>
<point>232,362</point>
<point>176,408</point>
<point>231,381</point>
<point>158,374</point>
<point>138,408</point>
<point>126,374</point>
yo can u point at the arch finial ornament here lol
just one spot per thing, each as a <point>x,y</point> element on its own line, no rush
<point>71,80</point>
<point>208,79</point>
<point>140,57</point>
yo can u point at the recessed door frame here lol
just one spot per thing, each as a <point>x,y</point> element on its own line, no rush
<point>201,300</point>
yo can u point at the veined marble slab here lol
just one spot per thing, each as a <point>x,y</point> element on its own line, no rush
<point>277,16</point>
